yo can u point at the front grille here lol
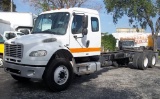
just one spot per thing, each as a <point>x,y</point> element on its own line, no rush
<point>14,50</point>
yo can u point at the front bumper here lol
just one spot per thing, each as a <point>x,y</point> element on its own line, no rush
<point>24,71</point>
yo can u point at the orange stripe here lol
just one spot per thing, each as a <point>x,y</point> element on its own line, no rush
<point>78,50</point>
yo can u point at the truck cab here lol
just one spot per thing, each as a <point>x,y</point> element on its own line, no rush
<point>127,44</point>
<point>62,42</point>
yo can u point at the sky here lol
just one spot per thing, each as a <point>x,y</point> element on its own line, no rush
<point>107,24</point>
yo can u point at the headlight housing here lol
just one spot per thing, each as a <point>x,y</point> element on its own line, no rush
<point>39,53</point>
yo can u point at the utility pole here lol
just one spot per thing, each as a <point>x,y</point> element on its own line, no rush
<point>11,5</point>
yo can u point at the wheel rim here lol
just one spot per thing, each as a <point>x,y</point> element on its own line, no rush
<point>153,60</point>
<point>145,62</point>
<point>1,62</point>
<point>61,75</point>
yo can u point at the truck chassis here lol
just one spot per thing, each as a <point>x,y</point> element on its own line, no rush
<point>132,58</point>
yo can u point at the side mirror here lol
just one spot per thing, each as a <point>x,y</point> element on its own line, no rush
<point>85,21</point>
<point>84,31</point>
<point>25,31</point>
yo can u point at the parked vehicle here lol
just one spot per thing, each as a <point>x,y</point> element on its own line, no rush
<point>1,50</point>
<point>140,40</point>
<point>4,26</point>
<point>15,21</point>
<point>66,42</point>
<point>6,36</point>
<point>19,21</point>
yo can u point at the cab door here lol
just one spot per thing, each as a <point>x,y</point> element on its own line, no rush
<point>83,45</point>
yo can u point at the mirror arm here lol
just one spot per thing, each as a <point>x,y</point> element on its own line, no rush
<point>75,36</point>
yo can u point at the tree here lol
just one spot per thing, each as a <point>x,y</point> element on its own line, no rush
<point>108,42</point>
<point>5,5</point>
<point>51,4</point>
<point>140,13</point>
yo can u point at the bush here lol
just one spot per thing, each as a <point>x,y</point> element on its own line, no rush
<point>108,42</point>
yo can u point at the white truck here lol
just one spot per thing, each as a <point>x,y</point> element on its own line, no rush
<point>66,42</point>
<point>134,40</point>
<point>19,21</point>
<point>4,26</point>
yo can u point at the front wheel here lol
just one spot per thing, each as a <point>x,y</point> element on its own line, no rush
<point>58,75</point>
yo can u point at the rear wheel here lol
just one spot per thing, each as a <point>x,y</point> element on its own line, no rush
<point>21,79</point>
<point>58,75</point>
<point>135,60</point>
<point>143,61</point>
<point>1,60</point>
<point>152,60</point>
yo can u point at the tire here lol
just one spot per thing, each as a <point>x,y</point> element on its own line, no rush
<point>58,75</point>
<point>151,60</point>
<point>135,60</point>
<point>1,61</point>
<point>21,79</point>
<point>143,61</point>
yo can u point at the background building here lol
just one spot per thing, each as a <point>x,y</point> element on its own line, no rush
<point>129,30</point>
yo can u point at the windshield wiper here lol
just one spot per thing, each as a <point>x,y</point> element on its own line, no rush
<point>47,32</point>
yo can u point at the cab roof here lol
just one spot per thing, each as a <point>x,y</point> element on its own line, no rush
<point>84,10</point>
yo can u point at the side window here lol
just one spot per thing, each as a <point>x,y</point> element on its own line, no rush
<point>94,24</point>
<point>77,24</point>
<point>1,39</point>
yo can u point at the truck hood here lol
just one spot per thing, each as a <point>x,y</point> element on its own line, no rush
<point>31,38</point>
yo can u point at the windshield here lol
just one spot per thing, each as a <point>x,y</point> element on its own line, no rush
<point>52,23</point>
<point>127,43</point>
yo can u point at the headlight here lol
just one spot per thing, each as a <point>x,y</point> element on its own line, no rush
<point>39,53</point>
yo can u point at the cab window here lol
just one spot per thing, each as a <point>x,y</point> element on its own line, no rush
<point>94,24</point>
<point>77,24</point>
